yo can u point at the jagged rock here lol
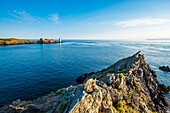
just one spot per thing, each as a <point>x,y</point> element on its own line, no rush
<point>128,86</point>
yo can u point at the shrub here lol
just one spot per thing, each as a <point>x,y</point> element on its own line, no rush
<point>121,110</point>
<point>121,75</point>
<point>58,92</point>
<point>121,104</point>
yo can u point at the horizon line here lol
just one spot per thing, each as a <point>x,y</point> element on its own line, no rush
<point>91,38</point>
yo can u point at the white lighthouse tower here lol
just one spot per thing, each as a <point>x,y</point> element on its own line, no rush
<point>59,40</point>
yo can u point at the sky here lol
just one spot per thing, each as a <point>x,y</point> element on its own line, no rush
<point>85,19</point>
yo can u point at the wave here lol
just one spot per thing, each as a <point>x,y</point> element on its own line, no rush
<point>89,43</point>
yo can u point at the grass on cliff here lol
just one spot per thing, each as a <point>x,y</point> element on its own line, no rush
<point>121,75</point>
<point>122,107</point>
<point>9,39</point>
<point>58,91</point>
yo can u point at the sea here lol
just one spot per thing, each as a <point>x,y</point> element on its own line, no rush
<point>32,70</point>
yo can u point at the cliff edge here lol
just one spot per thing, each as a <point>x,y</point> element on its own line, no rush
<point>128,86</point>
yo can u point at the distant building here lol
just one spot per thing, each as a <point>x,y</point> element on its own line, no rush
<point>41,40</point>
<point>59,40</point>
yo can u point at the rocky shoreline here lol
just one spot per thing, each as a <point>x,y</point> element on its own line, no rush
<point>15,41</point>
<point>128,86</point>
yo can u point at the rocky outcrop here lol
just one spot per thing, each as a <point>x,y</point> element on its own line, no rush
<point>15,41</point>
<point>128,86</point>
<point>45,41</point>
<point>164,68</point>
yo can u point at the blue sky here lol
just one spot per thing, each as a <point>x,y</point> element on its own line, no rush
<point>85,19</point>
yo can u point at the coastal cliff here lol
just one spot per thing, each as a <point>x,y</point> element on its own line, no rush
<point>15,41</point>
<point>128,86</point>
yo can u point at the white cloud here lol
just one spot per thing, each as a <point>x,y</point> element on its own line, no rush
<point>22,15</point>
<point>54,17</point>
<point>107,23</point>
<point>141,22</point>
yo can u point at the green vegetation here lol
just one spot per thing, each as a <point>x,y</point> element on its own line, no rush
<point>9,39</point>
<point>121,75</point>
<point>121,104</point>
<point>124,70</point>
<point>121,110</point>
<point>123,107</point>
<point>5,39</point>
<point>127,95</point>
<point>58,91</point>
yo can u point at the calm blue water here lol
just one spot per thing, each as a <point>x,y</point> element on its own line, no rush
<point>30,71</point>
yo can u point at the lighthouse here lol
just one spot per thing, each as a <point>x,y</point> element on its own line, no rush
<point>59,40</point>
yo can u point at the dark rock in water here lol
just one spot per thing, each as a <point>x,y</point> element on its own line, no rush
<point>164,68</point>
<point>164,88</point>
<point>128,86</point>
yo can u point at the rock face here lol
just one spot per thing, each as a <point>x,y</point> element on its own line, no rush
<point>128,86</point>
